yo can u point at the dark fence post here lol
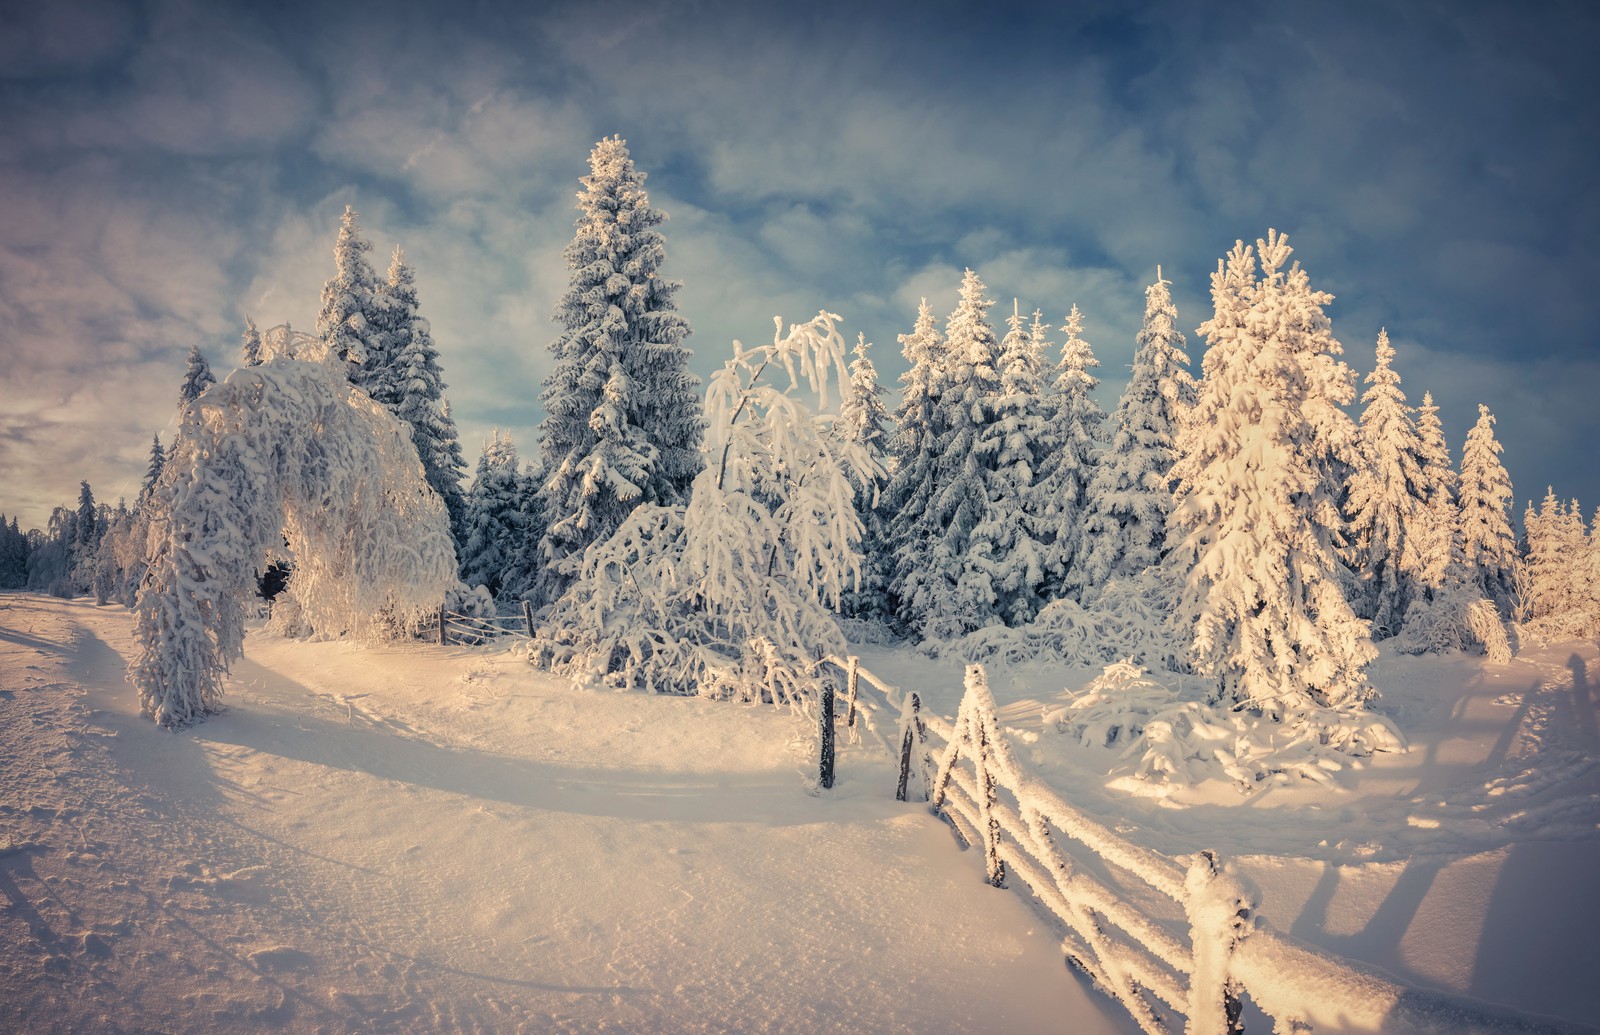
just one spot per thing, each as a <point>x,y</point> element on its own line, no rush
<point>444,628</point>
<point>912,735</point>
<point>852,684</point>
<point>527,613</point>
<point>825,763</point>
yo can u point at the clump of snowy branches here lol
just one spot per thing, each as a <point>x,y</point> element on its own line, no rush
<point>284,451</point>
<point>1170,740</point>
<point>733,594</point>
<point>1127,619</point>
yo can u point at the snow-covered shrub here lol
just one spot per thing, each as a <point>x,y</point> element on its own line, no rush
<point>1459,617</point>
<point>1170,741</point>
<point>1127,619</point>
<point>287,450</point>
<point>731,595</point>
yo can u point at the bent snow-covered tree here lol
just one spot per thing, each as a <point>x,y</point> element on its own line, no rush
<point>287,450</point>
<point>731,595</point>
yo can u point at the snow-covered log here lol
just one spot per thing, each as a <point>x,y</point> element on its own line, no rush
<point>287,451</point>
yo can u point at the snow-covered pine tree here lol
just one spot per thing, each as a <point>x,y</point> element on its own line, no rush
<point>1130,497</point>
<point>349,304</point>
<point>197,377</point>
<point>905,504</point>
<point>624,421</point>
<point>13,555</point>
<point>1257,521</point>
<point>1067,472</point>
<point>493,507</point>
<point>864,422</point>
<point>1489,548</point>
<point>1004,539</point>
<point>412,388</point>
<point>945,588</point>
<point>1558,573</point>
<point>1386,498</point>
<point>1430,541</point>
<point>250,344</point>
<point>152,473</point>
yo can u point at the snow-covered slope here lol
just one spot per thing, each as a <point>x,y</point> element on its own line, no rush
<point>430,839</point>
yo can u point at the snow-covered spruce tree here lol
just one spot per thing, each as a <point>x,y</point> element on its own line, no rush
<point>730,596</point>
<point>1004,539</point>
<point>1386,499</point>
<point>863,421</point>
<point>349,306</point>
<point>287,450</point>
<point>905,504</point>
<point>412,386</point>
<point>197,377</point>
<point>152,472</point>
<point>250,344</point>
<point>1068,471</point>
<point>1130,496</point>
<point>945,587</point>
<point>13,555</point>
<point>1489,548</point>
<point>1430,541</point>
<point>1558,577</point>
<point>624,423</point>
<point>493,515</point>
<point>1257,522</point>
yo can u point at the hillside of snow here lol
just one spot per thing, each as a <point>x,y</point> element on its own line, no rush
<point>416,838</point>
<point>422,839</point>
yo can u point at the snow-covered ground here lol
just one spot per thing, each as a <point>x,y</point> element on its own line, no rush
<point>419,838</point>
<point>432,839</point>
<point>1470,863</point>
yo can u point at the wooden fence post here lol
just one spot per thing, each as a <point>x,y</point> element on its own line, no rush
<point>825,762</point>
<point>527,614</point>
<point>852,684</point>
<point>911,739</point>
<point>989,823</point>
<point>444,627</point>
<point>1219,915</point>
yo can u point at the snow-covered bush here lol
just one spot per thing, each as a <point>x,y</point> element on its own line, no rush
<point>1170,741</point>
<point>731,595</point>
<point>1128,619</point>
<point>287,450</point>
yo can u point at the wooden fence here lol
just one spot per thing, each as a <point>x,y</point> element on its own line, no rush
<point>451,627</point>
<point>1169,939</point>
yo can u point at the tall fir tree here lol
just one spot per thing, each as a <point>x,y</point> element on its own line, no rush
<point>412,387</point>
<point>1431,542</point>
<point>864,422</point>
<point>1130,497</point>
<point>1489,547</point>
<point>945,588</point>
<point>349,304</point>
<point>905,505</point>
<point>1257,524</point>
<point>1067,472</point>
<point>152,472</point>
<point>1387,496</point>
<point>494,525</point>
<point>1005,539</point>
<point>250,344</point>
<point>197,377</point>
<point>624,420</point>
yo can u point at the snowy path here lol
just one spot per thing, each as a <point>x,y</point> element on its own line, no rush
<point>433,840</point>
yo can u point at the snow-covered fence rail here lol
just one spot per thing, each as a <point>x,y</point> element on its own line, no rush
<point>455,627</point>
<point>1167,939</point>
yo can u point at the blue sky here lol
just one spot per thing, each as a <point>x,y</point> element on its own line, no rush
<point>166,168</point>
